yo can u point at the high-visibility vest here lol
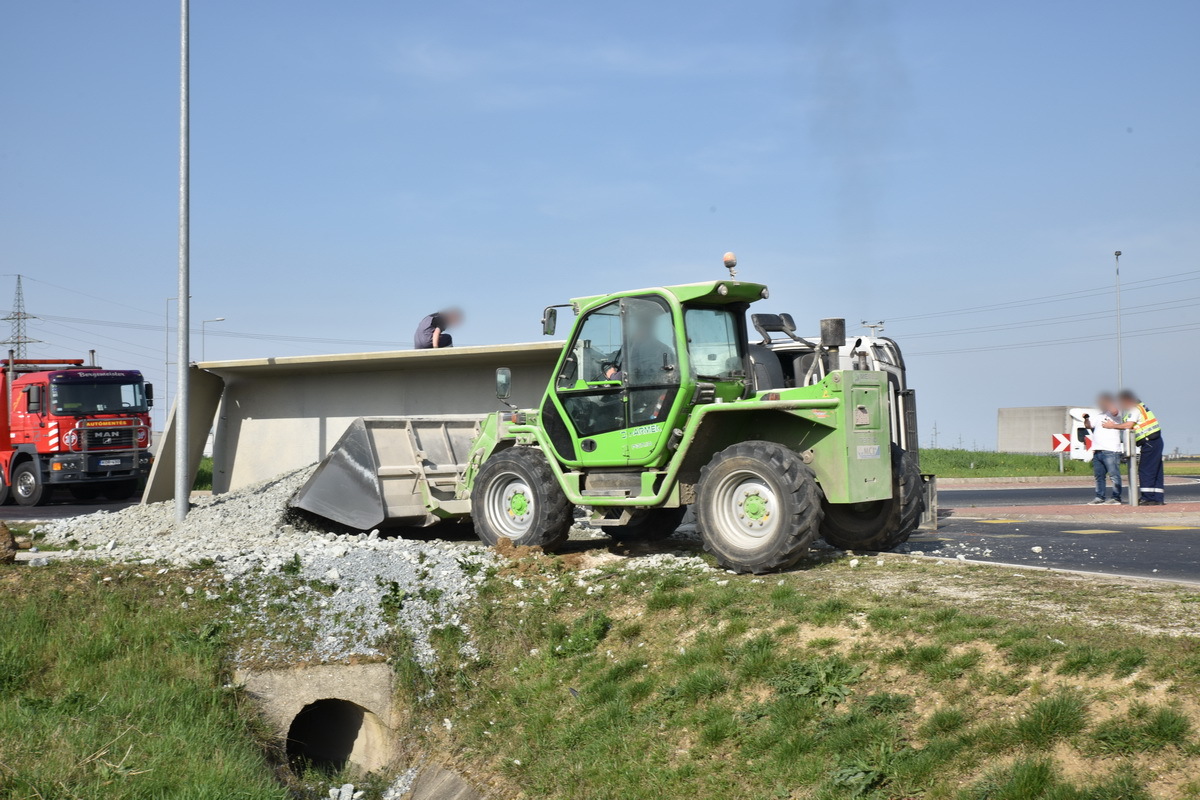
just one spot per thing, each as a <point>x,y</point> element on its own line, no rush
<point>1148,424</point>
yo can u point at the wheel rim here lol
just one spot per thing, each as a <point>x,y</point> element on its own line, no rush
<point>509,504</point>
<point>26,484</point>
<point>747,509</point>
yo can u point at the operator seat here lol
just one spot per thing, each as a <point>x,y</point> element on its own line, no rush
<point>768,372</point>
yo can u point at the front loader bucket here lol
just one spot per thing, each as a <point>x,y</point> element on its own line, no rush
<point>392,470</point>
<point>345,487</point>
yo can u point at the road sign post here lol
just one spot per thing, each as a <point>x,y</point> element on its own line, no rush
<point>1132,451</point>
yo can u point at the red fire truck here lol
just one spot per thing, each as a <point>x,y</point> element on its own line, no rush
<point>75,427</point>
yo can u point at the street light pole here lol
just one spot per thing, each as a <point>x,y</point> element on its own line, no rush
<point>183,488</point>
<point>203,346</point>
<point>1120,348</point>
<point>166,403</point>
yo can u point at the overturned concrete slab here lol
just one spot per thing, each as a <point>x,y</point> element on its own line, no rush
<point>273,415</point>
<point>435,783</point>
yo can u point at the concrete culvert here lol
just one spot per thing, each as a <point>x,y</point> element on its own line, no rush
<point>331,733</point>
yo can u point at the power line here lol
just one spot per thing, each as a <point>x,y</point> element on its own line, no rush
<point>226,333</point>
<point>1165,305</point>
<point>89,344</point>
<point>104,300</point>
<point>52,325</point>
<point>1057,297</point>
<point>1043,343</point>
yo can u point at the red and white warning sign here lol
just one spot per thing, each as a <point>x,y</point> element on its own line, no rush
<point>1061,442</point>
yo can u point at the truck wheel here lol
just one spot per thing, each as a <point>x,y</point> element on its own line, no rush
<point>28,489</point>
<point>517,497</point>
<point>758,507</point>
<point>5,494</point>
<point>651,524</point>
<point>883,524</point>
<point>120,491</point>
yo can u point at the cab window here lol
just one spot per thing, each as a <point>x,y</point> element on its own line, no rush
<point>595,350</point>
<point>649,357</point>
<point>713,344</point>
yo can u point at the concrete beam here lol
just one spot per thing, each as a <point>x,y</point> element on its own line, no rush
<point>204,392</point>
<point>281,414</point>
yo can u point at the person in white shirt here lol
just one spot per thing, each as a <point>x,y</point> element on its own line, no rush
<point>1107,448</point>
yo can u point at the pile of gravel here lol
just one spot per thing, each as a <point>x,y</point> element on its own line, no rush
<point>349,591</point>
<point>254,519</point>
<point>343,593</point>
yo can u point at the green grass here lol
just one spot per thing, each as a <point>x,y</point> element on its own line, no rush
<point>820,684</point>
<point>1039,779</point>
<point>985,464</point>
<point>897,680</point>
<point>1051,719</point>
<point>1143,729</point>
<point>204,476</point>
<point>109,690</point>
<point>1182,467</point>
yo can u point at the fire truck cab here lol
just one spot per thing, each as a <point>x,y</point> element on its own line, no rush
<point>82,428</point>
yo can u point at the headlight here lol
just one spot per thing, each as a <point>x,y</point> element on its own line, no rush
<point>722,289</point>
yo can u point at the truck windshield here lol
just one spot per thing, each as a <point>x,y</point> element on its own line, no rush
<point>80,399</point>
<point>713,343</point>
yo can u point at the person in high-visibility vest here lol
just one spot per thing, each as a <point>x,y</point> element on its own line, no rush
<point>1147,435</point>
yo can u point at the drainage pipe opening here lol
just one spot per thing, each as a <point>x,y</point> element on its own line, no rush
<point>329,734</point>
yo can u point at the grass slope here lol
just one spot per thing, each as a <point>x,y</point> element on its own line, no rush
<point>896,680</point>
<point>109,689</point>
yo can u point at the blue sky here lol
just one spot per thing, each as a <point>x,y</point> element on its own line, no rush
<point>356,165</point>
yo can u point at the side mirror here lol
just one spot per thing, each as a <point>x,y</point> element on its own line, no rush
<point>33,399</point>
<point>149,395</point>
<point>503,383</point>
<point>549,321</point>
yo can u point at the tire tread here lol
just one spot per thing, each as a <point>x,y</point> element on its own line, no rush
<point>806,515</point>
<point>554,513</point>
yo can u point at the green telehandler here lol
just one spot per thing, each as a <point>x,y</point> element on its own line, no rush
<point>658,402</point>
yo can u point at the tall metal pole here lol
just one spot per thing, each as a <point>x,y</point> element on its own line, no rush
<point>182,461</point>
<point>1120,347</point>
<point>166,401</point>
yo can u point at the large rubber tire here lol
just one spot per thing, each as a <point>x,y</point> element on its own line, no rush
<point>27,488</point>
<point>651,524</point>
<point>516,497</point>
<point>122,490</point>
<point>5,494</point>
<point>758,507</point>
<point>884,524</point>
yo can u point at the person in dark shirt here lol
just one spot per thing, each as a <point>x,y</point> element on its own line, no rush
<point>431,330</point>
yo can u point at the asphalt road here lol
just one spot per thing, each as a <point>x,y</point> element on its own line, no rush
<point>60,509</point>
<point>1149,550</point>
<point>1026,495</point>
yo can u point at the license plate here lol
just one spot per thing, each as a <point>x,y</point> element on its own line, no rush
<point>110,462</point>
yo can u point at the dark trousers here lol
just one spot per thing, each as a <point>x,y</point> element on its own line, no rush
<point>1150,470</point>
